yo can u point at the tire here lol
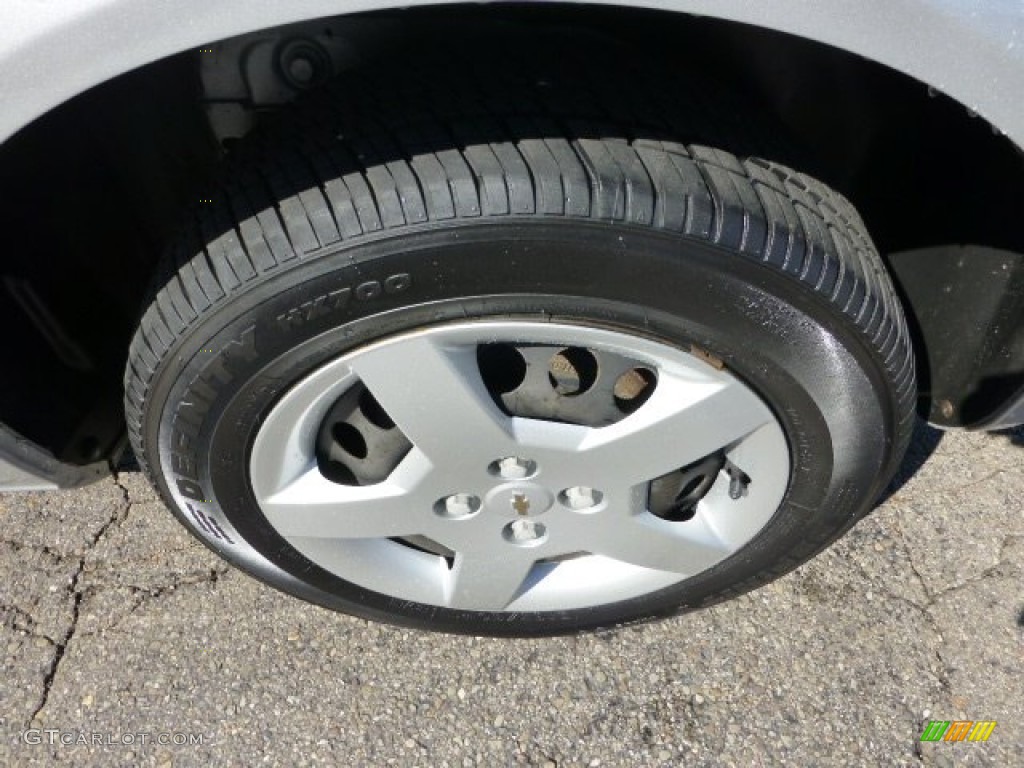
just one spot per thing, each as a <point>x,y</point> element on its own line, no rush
<point>361,236</point>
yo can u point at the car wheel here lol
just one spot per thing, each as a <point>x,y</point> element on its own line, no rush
<point>517,376</point>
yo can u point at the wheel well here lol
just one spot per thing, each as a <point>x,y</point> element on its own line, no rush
<point>97,185</point>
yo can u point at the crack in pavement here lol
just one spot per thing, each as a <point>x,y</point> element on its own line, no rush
<point>27,625</point>
<point>945,670</point>
<point>77,592</point>
<point>933,597</point>
<point>913,565</point>
<point>77,596</point>
<point>943,676</point>
<point>21,618</point>
<point>20,546</point>
<point>144,595</point>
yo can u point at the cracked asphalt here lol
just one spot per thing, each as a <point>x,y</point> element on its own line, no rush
<point>118,627</point>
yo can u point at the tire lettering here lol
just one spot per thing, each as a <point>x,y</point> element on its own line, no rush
<point>217,371</point>
<point>201,520</point>
<point>341,298</point>
<point>398,283</point>
<point>243,347</point>
<point>208,524</point>
<point>180,440</point>
<point>367,291</point>
<point>182,464</point>
<point>190,489</point>
<point>200,389</point>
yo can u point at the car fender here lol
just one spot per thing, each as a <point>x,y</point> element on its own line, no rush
<point>51,50</point>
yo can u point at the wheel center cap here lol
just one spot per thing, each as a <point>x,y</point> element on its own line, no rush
<point>520,500</point>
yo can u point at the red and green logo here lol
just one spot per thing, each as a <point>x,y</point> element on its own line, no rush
<point>958,730</point>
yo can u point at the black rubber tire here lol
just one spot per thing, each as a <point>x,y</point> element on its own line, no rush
<point>364,215</point>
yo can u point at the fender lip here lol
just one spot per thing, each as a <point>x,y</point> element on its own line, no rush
<point>25,466</point>
<point>1009,416</point>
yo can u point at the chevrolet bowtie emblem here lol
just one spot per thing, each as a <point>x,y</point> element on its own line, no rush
<point>521,504</point>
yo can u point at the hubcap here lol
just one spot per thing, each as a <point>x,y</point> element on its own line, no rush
<point>519,466</point>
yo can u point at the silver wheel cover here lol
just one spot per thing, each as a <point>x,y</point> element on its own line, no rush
<point>564,523</point>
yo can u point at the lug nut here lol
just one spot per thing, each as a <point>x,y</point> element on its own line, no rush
<point>513,468</point>
<point>458,505</point>
<point>524,532</point>
<point>580,498</point>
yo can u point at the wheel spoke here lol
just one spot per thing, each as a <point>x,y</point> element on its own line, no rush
<point>644,540</point>
<point>314,507</point>
<point>436,396</point>
<point>682,422</point>
<point>488,580</point>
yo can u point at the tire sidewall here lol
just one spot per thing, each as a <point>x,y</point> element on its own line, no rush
<point>808,362</point>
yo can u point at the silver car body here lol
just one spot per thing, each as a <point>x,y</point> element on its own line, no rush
<point>50,50</point>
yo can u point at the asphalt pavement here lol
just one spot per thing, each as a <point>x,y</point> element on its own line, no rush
<point>125,642</point>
